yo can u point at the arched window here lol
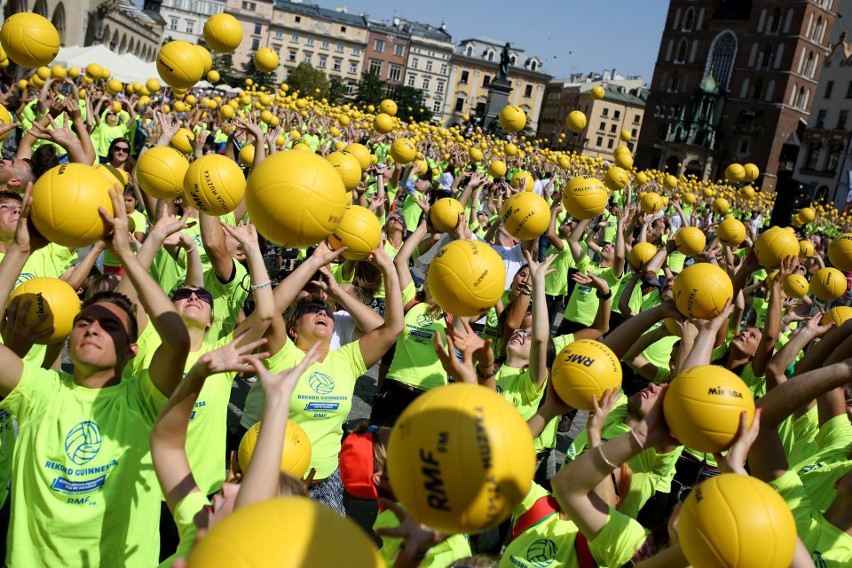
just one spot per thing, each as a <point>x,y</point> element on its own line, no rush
<point>809,65</point>
<point>774,22</point>
<point>770,90</point>
<point>533,65</point>
<point>721,61</point>
<point>765,57</point>
<point>744,90</point>
<point>489,54</point>
<point>688,20</point>
<point>58,21</point>
<point>681,51</point>
<point>512,60</point>
<point>40,8</point>
<point>468,51</point>
<point>757,90</point>
<point>669,49</point>
<point>817,30</point>
<point>801,99</point>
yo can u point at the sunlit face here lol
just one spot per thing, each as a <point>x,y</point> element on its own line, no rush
<point>747,340</point>
<point>14,170</point>
<point>194,305</point>
<point>100,337</point>
<point>10,210</point>
<point>221,505</point>
<point>521,277</point>
<point>643,401</point>
<point>519,343</point>
<point>129,203</point>
<point>667,291</point>
<point>315,322</point>
<point>608,251</point>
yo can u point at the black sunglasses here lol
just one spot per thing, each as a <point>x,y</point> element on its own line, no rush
<point>315,309</point>
<point>186,293</point>
<point>121,149</point>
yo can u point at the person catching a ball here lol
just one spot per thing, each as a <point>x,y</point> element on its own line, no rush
<point>85,463</point>
<point>321,403</point>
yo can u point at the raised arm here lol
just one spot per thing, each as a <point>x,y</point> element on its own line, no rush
<point>552,236</point>
<point>401,259</point>
<point>574,239</point>
<point>17,253</point>
<point>168,436</point>
<point>289,288</point>
<point>255,325</point>
<point>626,334</point>
<point>166,368</point>
<point>213,237</point>
<point>540,319</point>
<point>260,481</point>
<point>376,343</point>
<point>600,326</point>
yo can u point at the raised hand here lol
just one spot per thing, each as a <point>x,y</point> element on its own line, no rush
<point>18,335</point>
<point>231,357</point>
<point>417,538</point>
<point>737,453</point>
<point>281,385</point>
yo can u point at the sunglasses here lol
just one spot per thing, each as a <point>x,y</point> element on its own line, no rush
<point>187,293</point>
<point>123,149</point>
<point>526,334</point>
<point>315,309</point>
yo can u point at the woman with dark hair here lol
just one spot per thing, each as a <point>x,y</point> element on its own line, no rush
<point>118,155</point>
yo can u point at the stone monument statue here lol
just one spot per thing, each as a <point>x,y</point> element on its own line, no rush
<point>503,71</point>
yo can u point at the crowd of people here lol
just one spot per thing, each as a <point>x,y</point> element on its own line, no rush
<point>115,445</point>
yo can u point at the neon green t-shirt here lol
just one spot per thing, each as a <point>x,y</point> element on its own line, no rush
<point>583,303</point>
<point>208,424</point>
<point>439,556</point>
<point>827,462</point>
<point>556,284</point>
<point>411,211</point>
<point>228,299</point>
<point>517,387</point>
<point>415,362</point>
<point>321,401</point>
<point>84,488</point>
<point>184,517</point>
<point>618,541</point>
<point>829,546</point>
<point>549,542</point>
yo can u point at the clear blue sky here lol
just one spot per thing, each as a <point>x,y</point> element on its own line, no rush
<point>568,35</point>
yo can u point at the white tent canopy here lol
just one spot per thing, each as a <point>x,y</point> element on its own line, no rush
<point>125,67</point>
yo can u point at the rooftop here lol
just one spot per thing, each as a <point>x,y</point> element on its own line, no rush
<point>339,15</point>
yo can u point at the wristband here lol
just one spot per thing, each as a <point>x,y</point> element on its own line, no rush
<point>261,286</point>
<point>606,296</point>
<point>485,376</point>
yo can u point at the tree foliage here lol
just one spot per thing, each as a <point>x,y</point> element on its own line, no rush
<point>306,79</point>
<point>371,90</point>
<point>413,98</point>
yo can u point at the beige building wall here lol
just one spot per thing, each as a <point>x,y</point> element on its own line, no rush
<point>334,47</point>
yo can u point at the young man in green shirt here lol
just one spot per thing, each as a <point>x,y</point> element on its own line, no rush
<point>84,492</point>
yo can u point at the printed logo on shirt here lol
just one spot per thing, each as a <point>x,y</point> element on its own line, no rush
<point>82,445</point>
<point>542,553</point>
<point>321,383</point>
<point>425,320</point>
<point>83,442</point>
<point>23,278</point>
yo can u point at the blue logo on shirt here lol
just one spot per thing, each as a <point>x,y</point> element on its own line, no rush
<point>424,320</point>
<point>83,442</point>
<point>542,553</point>
<point>321,383</point>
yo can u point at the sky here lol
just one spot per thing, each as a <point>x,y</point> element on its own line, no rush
<point>567,35</point>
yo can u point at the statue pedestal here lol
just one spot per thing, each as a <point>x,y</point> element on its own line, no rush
<point>498,98</point>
